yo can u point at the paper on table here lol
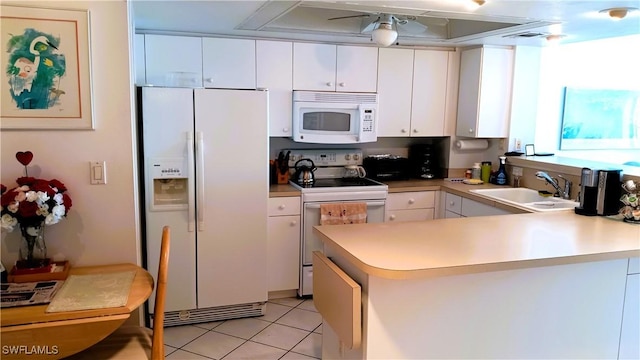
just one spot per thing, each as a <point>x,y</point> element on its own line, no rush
<point>93,291</point>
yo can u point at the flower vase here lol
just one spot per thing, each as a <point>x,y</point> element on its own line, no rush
<point>33,249</point>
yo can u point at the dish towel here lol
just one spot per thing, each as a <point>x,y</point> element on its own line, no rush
<point>343,213</point>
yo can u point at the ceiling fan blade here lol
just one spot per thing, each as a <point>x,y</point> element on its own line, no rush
<point>412,27</point>
<point>349,17</point>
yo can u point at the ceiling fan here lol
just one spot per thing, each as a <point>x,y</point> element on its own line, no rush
<point>384,27</point>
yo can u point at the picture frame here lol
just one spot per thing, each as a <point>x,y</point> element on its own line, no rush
<point>529,150</point>
<point>46,69</point>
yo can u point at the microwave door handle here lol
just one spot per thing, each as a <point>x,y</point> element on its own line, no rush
<point>360,123</point>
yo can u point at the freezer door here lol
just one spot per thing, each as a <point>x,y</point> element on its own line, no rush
<point>231,243</point>
<point>167,120</point>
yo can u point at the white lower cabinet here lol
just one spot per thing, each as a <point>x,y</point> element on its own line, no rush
<point>457,206</point>
<point>283,243</point>
<point>630,333</point>
<point>410,206</point>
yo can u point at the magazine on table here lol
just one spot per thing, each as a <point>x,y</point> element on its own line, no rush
<point>28,293</point>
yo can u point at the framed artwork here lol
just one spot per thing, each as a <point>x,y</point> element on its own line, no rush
<point>46,75</point>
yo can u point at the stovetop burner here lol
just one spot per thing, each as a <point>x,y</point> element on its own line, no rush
<point>340,182</point>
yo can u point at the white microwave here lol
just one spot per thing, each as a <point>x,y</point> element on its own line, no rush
<point>334,117</point>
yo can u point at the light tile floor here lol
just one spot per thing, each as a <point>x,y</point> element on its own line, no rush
<point>290,329</point>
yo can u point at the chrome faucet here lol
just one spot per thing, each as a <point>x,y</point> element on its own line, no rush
<point>563,193</point>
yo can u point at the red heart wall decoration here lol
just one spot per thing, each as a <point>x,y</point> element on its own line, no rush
<point>24,157</point>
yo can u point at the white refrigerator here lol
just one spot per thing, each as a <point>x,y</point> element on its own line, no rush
<point>204,160</point>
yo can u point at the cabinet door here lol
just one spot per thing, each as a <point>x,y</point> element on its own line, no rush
<point>314,67</point>
<point>395,76</point>
<point>229,63</point>
<point>138,59</point>
<point>484,100</point>
<point>173,60</point>
<point>283,252</point>
<point>274,71</point>
<point>429,92</point>
<point>629,343</point>
<point>474,208</point>
<point>356,68</point>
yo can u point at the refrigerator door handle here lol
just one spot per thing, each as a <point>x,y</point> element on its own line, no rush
<point>192,202</point>
<point>200,179</point>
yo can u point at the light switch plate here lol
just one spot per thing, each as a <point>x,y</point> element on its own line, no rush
<point>98,172</point>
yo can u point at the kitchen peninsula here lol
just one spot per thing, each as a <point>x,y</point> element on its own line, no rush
<point>539,285</point>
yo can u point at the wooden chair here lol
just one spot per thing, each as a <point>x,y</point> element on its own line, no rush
<point>137,342</point>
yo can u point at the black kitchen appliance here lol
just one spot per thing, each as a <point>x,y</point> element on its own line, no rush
<point>588,196</point>
<point>609,192</point>
<point>423,162</point>
<point>386,167</point>
<point>600,192</point>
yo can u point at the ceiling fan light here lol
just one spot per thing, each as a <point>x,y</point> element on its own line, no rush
<point>384,35</point>
<point>619,12</point>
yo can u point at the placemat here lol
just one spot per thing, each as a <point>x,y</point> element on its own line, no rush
<point>93,291</point>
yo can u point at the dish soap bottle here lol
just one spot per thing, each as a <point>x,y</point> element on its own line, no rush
<point>501,175</point>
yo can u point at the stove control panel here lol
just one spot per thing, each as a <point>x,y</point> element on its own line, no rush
<point>326,158</point>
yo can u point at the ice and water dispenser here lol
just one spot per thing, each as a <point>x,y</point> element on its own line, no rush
<point>170,183</point>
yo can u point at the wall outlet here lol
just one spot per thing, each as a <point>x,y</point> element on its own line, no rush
<point>518,145</point>
<point>516,171</point>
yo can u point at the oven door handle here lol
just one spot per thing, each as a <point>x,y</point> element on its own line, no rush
<point>369,204</point>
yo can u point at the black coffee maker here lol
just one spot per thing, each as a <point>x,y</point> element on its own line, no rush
<point>600,192</point>
<point>423,161</point>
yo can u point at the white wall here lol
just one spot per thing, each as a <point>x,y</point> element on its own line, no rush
<point>610,63</point>
<point>102,226</point>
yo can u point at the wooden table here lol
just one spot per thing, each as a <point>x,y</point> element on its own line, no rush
<point>28,332</point>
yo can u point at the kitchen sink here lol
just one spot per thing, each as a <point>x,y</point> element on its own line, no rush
<point>527,198</point>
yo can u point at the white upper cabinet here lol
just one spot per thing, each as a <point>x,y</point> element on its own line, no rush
<point>413,92</point>
<point>138,59</point>
<point>430,70</point>
<point>357,68</point>
<point>395,77</point>
<point>229,63</point>
<point>274,64</point>
<point>173,60</point>
<point>484,95</point>
<point>325,67</point>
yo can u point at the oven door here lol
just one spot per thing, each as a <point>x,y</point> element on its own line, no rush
<point>311,242</point>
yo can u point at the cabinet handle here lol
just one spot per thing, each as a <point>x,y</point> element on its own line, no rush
<point>209,80</point>
<point>285,129</point>
<point>329,83</point>
<point>281,207</point>
<point>403,130</point>
<point>415,130</point>
<point>452,203</point>
<point>470,131</point>
<point>411,201</point>
<point>392,217</point>
<point>293,223</point>
<point>342,84</point>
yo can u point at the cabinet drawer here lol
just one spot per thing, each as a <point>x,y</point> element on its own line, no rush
<point>453,203</point>
<point>280,206</point>
<point>409,215</point>
<point>411,200</point>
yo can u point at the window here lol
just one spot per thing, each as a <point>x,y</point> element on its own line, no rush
<point>600,119</point>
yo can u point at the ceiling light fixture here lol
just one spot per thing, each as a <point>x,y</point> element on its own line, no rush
<point>554,38</point>
<point>479,2</point>
<point>384,34</point>
<point>619,12</point>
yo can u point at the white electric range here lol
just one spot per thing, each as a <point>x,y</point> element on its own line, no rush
<point>329,186</point>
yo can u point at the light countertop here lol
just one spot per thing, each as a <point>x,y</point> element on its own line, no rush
<point>443,247</point>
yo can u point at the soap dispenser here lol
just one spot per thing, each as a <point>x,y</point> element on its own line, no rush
<point>501,175</point>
